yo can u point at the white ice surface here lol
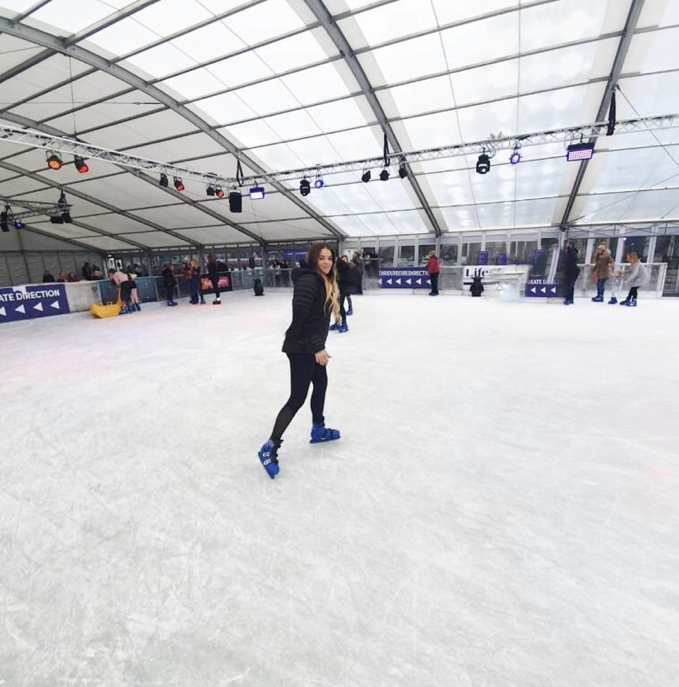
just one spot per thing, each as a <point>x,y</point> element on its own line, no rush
<point>501,510</point>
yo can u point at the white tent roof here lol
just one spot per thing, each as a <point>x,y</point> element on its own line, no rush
<point>198,81</point>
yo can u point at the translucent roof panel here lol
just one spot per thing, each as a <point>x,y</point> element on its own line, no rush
<point>72,15</point>
<point>249,26</point>
<point>294,52</point>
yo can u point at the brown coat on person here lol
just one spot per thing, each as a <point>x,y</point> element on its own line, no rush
<point>603,262</point>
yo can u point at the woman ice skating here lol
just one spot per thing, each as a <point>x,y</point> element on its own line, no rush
<point>214,278</point>
<point>601,271</point>
<point>433,269</point>
<point>315,296</point>
<point>637,278</point>
<point>571,273</point>
<point>169,282</point>
<point>194,283</point>
<point>344,283</point>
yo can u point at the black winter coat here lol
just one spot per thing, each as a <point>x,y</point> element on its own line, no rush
<point>310,318</point>
<point>571,268</point>
<point>168,277</point>
<point>344,276</point>
<point>212,270</point>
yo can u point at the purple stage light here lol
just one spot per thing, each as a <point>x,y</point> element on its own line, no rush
<point>577,152</point>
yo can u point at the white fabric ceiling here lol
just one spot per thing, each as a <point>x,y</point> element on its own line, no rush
<point>266,78</point>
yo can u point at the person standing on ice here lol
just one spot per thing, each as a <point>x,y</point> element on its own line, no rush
<point>601,271</point>
<point>571,273</point>
<point>315,296</point>
<point>637,278</point>
<point>433,269</point>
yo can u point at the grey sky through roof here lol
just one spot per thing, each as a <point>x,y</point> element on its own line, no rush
<point>286,84</point>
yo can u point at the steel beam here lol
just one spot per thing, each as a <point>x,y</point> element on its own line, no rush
<point>618,63</point>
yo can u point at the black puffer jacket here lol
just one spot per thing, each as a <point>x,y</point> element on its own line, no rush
<point>571,268</point>
<point>310,317</point>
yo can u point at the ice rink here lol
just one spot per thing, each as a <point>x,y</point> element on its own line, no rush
<point>501,511</point>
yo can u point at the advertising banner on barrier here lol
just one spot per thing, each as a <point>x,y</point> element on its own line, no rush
<point>28,302</point>
<point>404,278</point>
<point>224,283</point>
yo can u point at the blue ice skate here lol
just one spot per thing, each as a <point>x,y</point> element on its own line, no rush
<point>343,328</point>
<point>350,311</point>
<point>268,455</point>
<point>613,300</point>
<point>333,327</point>
<point>598,299</point>
<point>320,433</point>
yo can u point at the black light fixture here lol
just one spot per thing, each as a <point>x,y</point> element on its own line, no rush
<point>210,190</point>
<point>4,219</point>
<point>55,219</point>
<point>304,187</point>
<point>81,165</point>
<point>163,181</point>
<point>235,201</point>
<point>66,217</point>
<point>384,174</point>
<point>178,184</point>
<point>366,176</point>
<point>219,192</point>
<point>483,164</point>
<point>54,162</point>
<point>402,169</point>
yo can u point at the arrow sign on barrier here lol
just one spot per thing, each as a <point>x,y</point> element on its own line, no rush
<point>38,307</point>
<point>408,281</point>
<point>398,281</point>
<point>55,305</point>
<point>21,309</point>
<point>3,312</point>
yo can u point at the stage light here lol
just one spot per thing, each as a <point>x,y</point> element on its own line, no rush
<point>54,161</point>
<point>402,169</point>
<point>304,187</point>
<point>55,219</point>
<point>219,192</point>
<point>483,164</point>
<point>62,202</point>
<point>257,193</point>
<point>81,165</point>
<point>18,224</point>
<point>210,190</point>
<point>235,201</point>
<point>66,217</point>
<point>319,183</point>
<point>178,184</point>
<point>577,152</point>
<point>366,176</point>
<point>515,157</point>
<point>384,174</point>
<point>163,181</point>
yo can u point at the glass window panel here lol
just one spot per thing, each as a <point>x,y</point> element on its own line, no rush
<point>195,84</point>
<point>293,52</point>
<point>316,84</point>
<point>394,20</point>
<point>338,115</point>
<point>123,37</point>
<point>223,108</point>
<point>407,60</point>
<point>268,20</point>
<point>406,255</point>
<point>72,15</point>
<point>162,60</point>
<point>240,69</point>
<point>267,98</point>
<point>213,40</point>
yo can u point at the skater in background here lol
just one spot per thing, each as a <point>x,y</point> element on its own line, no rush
<point>169,282</point>
<point>122,281</point>
<point>214,278</point>
<point>315,296</point>
<point>476,289</point>
<point>194,283</point>
<point>601,271</point>
<point>134,294</point>
<point>571,272</point>
<point>344,283</point>
<point>636,278</point>
<point>47,277</point>
<point>358,276</point>
<point>433,270</point>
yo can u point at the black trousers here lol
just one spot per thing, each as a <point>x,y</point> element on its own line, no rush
<point>215,286</point>
<point>569,285</point>
<point>169,292</point>
<point>304,370</point>
<point>343,313</point>
<point>434,282</point>
<point>633,293</point>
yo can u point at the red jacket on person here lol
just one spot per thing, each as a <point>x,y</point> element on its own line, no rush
<point>433,265</point>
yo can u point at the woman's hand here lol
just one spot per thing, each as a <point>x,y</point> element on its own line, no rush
<point>322,357</point>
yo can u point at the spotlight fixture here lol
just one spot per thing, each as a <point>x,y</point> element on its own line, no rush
<point>81,165</point>
<point>18,224</point>
<point>62,202</point>
<point>66,217</point>
<point>304,187</point>
<point>54,161</point>
<point>163,181</point>
<point>210,190</point>
<point>178,184</point>
<point>219,192</point>
<point>319,183</point>
<point>515,157</point>
<point>384,174</point>
<point>366,176</point>
<point>55,219</point>
<point>257,193</point>
<point>402,169</point>
<point>576,152</point>
<point>483,164</point>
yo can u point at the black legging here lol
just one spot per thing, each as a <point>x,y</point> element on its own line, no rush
<point>569,285</point>
<point>633,293</point>
<point>434,282</point>
<point>343,312</point>
<point>215,286</point>
<point>303,371</point>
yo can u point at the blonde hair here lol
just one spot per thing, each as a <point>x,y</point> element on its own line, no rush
<point>329,280</point>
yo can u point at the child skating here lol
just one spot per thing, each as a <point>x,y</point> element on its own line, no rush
<point>636,278</point>
<point>316,294</point>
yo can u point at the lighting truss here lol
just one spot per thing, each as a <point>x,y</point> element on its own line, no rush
<point>31,208</point>
<point>69,146</point>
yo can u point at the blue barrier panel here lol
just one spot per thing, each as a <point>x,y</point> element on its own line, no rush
<point>404,278</point>
<point>27,302</point>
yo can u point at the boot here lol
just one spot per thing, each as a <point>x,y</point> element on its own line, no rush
<point>333,327</point>
<point>321,433</point>
<point>625,302</point>
<point>216,301</point>
<point>633,303</point>
<point>343,328</point>
<point>613,300</point>
<point>598,299</point>
<point>137,307</point>
<point>350,311</point>
<point>268,455</point>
